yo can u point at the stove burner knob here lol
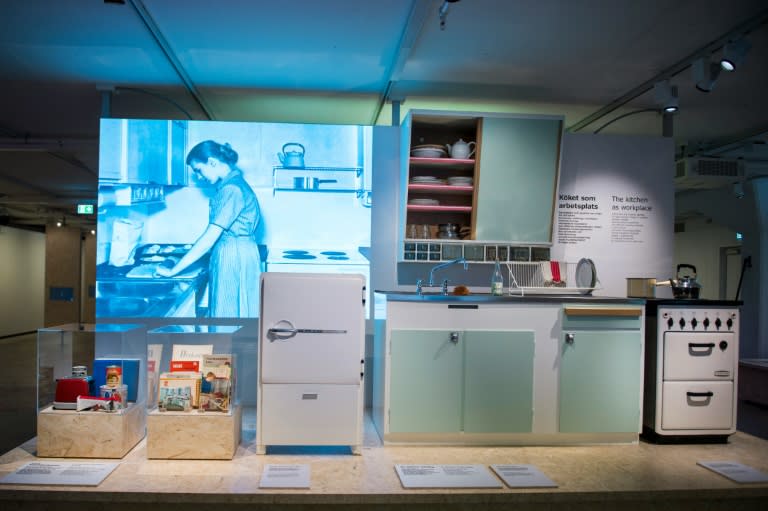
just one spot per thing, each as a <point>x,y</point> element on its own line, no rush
<point>718,323</point>
<point>694,323</point>
<point>723,345</point>
<point>706,323</point>
<point>729,323</point>
<point>682,323</point>
<point>670,322</point>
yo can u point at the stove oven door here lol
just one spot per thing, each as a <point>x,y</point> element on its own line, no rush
<point>699,405</point>
<point>699,356</point>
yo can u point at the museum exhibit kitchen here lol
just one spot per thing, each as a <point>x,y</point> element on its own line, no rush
<point>571,353</point>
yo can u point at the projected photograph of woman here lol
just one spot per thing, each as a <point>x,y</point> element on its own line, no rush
<point>229,237</point>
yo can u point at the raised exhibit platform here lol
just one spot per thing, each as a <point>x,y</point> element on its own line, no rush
<point>626,477</point>
<point>72,434</point>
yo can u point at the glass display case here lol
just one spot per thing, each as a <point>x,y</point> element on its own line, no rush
<point>90,394</point>
<point>193,400</point>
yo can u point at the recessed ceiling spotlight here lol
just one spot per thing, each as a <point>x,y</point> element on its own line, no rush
<point>734,53</point>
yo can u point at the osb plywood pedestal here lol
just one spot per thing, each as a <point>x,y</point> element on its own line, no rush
<point>193,436</point>
<point>72,434</point>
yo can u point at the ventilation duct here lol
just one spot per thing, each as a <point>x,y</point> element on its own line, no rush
<point>701,173</point>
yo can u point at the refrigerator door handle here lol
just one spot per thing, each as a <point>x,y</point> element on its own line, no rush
<point>288,331</point>
<point>304,331</point>
<point>313,331</point>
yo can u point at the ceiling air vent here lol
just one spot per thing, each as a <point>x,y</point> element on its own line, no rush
<point>702,173</point>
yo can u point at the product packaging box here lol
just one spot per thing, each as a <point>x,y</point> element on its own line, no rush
<point>130,368</point>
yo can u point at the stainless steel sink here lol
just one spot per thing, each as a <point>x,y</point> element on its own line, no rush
<point>437,296</point>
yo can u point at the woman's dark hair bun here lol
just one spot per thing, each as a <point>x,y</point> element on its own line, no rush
<point>212,149</point>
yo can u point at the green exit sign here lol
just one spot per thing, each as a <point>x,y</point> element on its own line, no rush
<point>85,209</point>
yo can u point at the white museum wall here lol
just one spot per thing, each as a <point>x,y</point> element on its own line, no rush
<point>699,244</point>
<point>22,275</point>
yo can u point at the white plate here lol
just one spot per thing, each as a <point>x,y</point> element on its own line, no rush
<point>428,152</point>
<point>586,275</point>
<point>424,202</point>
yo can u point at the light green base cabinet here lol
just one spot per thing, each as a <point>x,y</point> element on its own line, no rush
<point>600,375</point>
<point>471,381</point>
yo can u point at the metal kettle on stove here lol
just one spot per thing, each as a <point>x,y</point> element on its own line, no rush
<point>684,286</point>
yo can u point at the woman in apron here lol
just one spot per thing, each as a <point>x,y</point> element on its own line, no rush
<point>235,263</point>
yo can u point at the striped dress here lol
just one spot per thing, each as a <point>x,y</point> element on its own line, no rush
<point>235,264</point>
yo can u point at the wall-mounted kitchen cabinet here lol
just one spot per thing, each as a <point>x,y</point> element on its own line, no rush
<point>440,188</point>
<point>142,152</point>
<point>519,161</point>
<point>501,188</point>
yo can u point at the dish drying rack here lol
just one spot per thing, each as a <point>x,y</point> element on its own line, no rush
<point>540,277</point>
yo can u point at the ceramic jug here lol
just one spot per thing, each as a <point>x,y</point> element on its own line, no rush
<point>461,150</point>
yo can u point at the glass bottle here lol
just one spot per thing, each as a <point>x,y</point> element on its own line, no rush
<point>497,281</point>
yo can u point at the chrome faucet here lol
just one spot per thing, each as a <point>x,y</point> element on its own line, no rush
<point>444,265</point>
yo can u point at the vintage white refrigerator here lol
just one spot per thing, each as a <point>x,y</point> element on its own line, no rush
<point>311,360</point>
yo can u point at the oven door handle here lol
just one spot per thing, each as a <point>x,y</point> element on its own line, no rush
<point>700,394</point>
<point>709,345</point>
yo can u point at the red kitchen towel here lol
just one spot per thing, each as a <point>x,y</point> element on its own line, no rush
<point>555,267</point>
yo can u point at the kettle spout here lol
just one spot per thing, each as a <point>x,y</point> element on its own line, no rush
<point>281,157</point>
<point>448,146</point>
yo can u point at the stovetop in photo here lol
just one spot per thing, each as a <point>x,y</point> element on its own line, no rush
<point>315,256</point>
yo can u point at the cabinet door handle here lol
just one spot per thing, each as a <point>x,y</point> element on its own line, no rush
<point>455,337</point>
<point>570,338</point>
<point>709,345</point>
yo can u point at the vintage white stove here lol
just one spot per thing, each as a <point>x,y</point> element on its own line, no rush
<point>691,365</point>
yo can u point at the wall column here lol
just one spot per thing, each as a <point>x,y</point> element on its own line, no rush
<point>62,275</point>
<point>760,263</point>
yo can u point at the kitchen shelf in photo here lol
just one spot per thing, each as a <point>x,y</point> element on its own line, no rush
<point>316,190</point>
<point>442,189</point>
<point>446,209</point>
<point>357,170</point>
<point>450,163</point>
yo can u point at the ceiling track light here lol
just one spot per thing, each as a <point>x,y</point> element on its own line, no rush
<point>705,73</point>
<point>665,96</point>
<point>734,53</point>
<point>443,12</point>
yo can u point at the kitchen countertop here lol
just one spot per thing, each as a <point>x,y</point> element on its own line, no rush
<point>438,297</point>
<point>630,477</point>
